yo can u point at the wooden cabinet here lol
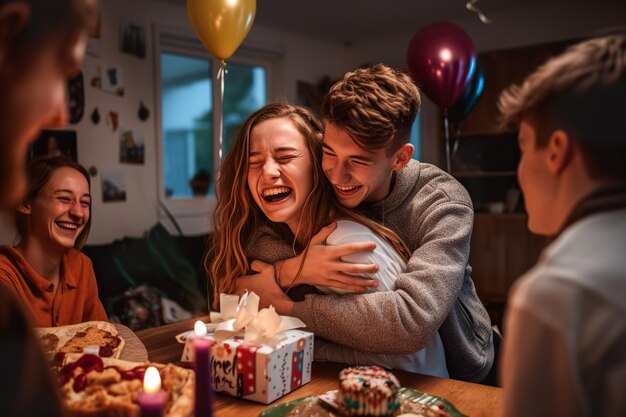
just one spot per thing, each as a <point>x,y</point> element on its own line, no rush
<point>502,250</point>
<point>485,162</point>
<point>486,165</point>
<point>501,69</point>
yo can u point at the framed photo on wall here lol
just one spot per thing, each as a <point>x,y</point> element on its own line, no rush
<point>132,39</point>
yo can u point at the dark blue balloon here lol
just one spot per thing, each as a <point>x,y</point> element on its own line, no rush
<point>462,108</point>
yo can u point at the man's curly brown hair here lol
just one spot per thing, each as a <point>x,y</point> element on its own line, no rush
<point>376,106</point>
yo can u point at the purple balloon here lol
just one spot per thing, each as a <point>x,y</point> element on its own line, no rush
<point>441,58</point>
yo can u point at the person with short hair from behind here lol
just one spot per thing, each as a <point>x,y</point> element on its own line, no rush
<point>41,46</point>
<point>565,346</point>
<point>46,269</point>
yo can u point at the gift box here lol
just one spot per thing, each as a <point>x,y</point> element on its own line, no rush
<point>254,358</point>
<point>259,373</point>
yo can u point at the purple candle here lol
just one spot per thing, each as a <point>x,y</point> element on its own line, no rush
<point>202,354</point>
<point>152,399</point>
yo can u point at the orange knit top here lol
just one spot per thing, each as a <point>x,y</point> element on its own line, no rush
<point>76,300</point>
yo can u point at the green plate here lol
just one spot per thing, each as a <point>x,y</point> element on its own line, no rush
<point>281,410</point>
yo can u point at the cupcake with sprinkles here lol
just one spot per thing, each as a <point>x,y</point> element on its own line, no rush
<point>368,391</point>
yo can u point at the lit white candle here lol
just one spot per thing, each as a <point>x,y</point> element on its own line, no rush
<point>152,399</point>
<point>202,356</point>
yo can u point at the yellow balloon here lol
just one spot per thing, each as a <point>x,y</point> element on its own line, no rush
<point>221,25</point>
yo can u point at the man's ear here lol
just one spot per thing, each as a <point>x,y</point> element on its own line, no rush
<point>23,208</point>
<point>402,156</point>
<point>559,151</point>
<point>13,17</point>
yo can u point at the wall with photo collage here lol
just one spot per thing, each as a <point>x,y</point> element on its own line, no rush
<point>113,104</point>
<point>114,125</point>
<point>113,142</point>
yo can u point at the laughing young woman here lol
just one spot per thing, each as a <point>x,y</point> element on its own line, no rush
<point>272,179</point>
<point>46,270</point>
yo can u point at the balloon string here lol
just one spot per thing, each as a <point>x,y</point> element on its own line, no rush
<point>221,72</point>
<point>455,146</point>
<point>446,131</point>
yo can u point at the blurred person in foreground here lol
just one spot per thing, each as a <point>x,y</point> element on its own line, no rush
<point>565,344</point>
<point>41,46</point>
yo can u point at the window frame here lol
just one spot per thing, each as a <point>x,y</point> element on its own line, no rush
<point>194,214</point>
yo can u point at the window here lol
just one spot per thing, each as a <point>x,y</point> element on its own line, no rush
<point>188,117</point>
<point>414,138</point>
<point>185,130</point>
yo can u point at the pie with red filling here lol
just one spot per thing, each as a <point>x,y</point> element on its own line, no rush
<point>94,386</point>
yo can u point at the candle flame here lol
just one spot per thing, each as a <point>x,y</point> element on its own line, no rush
<point>151,381</point>
<point>200,329</point>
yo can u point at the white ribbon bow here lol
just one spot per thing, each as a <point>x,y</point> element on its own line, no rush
<point>235,314</point>
<point>260,327</point>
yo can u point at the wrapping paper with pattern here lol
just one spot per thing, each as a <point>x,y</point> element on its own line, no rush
<point>260,373</point>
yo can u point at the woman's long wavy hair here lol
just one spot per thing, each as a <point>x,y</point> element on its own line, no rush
<point>237,215</point>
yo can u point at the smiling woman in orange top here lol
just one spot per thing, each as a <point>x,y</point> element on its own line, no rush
<point>46,270</point>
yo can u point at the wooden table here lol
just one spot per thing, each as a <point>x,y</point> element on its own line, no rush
<point>474,400</point>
